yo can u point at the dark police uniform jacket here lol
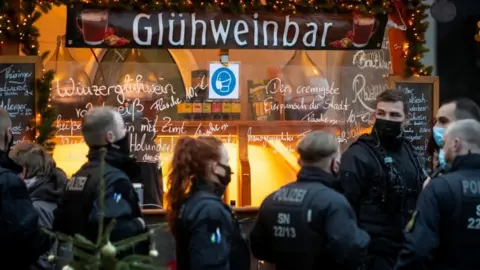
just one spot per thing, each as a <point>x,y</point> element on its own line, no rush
<point>77,211</point>
<point>446,224</point>
<point>207,233</point>
<point>308,225</point>
<point>21,242</point>
<point>382,187</point>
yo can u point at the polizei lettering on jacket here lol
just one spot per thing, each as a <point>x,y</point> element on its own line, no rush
<point>471,188</point>
<point>77,183</point>
<point>290,195</point>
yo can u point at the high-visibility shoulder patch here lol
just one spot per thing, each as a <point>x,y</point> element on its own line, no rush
<point>411,222</point>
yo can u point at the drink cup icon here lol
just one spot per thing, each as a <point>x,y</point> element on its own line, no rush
<point>92,24</point>
<point>363,29</point>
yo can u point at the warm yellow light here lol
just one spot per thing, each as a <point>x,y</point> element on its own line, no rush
<point>269,171</point>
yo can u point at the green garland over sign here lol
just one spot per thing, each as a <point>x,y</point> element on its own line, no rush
<point>17,25</point>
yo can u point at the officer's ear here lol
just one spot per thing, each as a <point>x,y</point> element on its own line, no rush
<point>213,167</point>
<point>371,120</point>
<point>300,163</point>
<point>110,137</point>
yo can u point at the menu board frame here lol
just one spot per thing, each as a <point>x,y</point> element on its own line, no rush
<point>394,80</point>
<point>28,59</point>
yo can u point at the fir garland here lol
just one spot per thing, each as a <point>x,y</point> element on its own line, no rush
<point>18,25</point>
<point>416,49</point>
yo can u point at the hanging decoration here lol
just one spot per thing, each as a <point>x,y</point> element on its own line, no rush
<point>443,11</point>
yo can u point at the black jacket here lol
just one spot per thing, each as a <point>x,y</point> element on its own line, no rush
<point>308,225</point>
<point>45,193</point>
<point>207,233</point>
<point>446,226</point>
<point>21,241</point>
<point>77,211</point>
<point>382,182</point>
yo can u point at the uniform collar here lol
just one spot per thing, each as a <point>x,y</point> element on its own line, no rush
<point>118,160</point>
<point>313,174</point>
<point>466,162</point>
<point>7,163</point>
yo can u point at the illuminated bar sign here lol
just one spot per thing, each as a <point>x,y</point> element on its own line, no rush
<point>101,28</point>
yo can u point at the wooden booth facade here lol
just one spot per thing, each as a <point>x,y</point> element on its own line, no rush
<point>259,80</point>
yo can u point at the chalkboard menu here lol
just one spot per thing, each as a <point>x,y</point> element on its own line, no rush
<point>17,93</point>
<point>363,78</point>
<point>422,99</point>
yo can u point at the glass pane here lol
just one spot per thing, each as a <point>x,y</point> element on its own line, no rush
<point>280,100</point>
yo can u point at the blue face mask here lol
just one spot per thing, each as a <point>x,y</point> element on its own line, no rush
<point>438,135</point>
<point>442,160</point>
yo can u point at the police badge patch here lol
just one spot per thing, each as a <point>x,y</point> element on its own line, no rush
<point>411,222</point>
<point>214,231</point>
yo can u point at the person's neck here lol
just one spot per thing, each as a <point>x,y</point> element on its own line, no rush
<point>212,186</point>
<point>322,165</point>
<point>392,144</point>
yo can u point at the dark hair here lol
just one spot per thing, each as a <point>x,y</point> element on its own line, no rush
<point>189,161</point>
<point>466,108</point>
<point>394,95</point>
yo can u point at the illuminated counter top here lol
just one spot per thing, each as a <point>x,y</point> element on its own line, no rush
<point>262,153</point>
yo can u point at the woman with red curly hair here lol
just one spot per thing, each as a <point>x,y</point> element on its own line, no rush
<point>206,232</point>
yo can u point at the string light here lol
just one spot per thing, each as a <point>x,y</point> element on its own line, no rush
<point>18,26</point>
<point>477,35</point>
<point>414,49</point>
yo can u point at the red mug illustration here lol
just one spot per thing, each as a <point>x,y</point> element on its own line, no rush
<point>363,29</point>
<point>93,25</point>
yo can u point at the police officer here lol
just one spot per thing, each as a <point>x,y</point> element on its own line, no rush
<point>382,176</point>
<point>449,112</point>
<point>446,223</point>
<point>21,241</point>
<point>206,232</point>
<point>77,212</point>
<point>307,224</point>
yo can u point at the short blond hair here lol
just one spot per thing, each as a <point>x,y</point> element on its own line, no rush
<point>33,158</point>
<point>316,146</point>
<point>96,123</point>
<point>467,130</point>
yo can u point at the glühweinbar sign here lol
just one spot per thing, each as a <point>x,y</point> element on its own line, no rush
<point>101,28</point>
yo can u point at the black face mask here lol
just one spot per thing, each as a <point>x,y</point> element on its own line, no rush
<point>387,129</point>
<point>225,179</point>
<point>122,145</point>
